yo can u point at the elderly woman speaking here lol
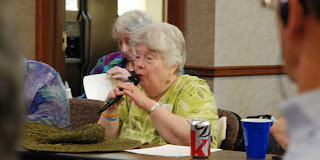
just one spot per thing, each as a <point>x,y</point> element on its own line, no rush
<point>158,109</point>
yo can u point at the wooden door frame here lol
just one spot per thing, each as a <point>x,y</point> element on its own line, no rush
<point>173,12</point>
<point>50,21</point>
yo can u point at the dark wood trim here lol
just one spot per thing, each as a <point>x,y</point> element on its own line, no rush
<point>229,71</point>
<point>50,17</point>
<point>59,27</point>
<point>176,13</point>
<point>45,31</point>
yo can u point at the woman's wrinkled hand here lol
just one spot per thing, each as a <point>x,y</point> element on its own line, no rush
<point>114,108</point>
<point>119,73</point>
<point>135,94</point>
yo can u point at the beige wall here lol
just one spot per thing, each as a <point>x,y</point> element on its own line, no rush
<point>151,7</point>
<point>236,33</point>
<point>252,95</point>
<point>22,16</point>
<point>245,34</point>
<point>154,9</point>
<point>199,32</point>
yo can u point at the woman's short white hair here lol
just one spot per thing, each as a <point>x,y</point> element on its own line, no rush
<point>130,22</point>
<point>165,38</point>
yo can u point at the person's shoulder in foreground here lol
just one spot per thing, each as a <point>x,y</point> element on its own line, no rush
<point>304,130</point>
<point>45,96</point>
<point>298,23</point>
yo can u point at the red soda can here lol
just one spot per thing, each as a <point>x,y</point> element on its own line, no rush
<point>200,138</point>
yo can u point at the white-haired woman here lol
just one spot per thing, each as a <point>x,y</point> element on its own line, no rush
<point>158,109</point>
<point>120,64</point>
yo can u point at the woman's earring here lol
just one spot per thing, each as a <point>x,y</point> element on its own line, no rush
<point>168,81</point>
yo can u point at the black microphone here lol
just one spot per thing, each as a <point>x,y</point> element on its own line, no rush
<point>134,78</point>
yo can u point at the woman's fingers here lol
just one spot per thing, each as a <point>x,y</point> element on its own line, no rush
<point>118,90</point>
<point>116,104</point>
<point>131,90</point>
<point>135,94</point>
<point>121,77</point>
<point>116,70</point>
<point>115,92</point>
<point>119,73</point>
<point>111,94</point>
<point>126,85</point>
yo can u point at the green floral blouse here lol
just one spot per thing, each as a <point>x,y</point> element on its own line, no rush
<point>189,97</point>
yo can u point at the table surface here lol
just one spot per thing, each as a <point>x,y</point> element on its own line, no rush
<point>220,155</point>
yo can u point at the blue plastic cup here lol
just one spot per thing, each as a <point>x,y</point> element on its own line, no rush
<point>256,135</point>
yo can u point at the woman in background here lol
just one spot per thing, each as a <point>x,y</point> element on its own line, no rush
<point>120,64</point>
<point>158,110</point>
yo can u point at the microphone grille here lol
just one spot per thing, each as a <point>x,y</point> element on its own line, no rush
<point>134,78</point>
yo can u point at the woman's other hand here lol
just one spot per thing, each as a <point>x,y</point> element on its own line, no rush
<point>119,73</point>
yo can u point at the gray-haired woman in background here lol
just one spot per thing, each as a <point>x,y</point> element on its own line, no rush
<point>158,109</point>
<point>120,64</point>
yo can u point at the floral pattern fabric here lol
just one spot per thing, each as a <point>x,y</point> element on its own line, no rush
<point>189,97</point>
<point>46,100</point>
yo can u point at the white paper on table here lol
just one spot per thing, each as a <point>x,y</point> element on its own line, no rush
<point>167,151</point>
<point>98,86</point>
